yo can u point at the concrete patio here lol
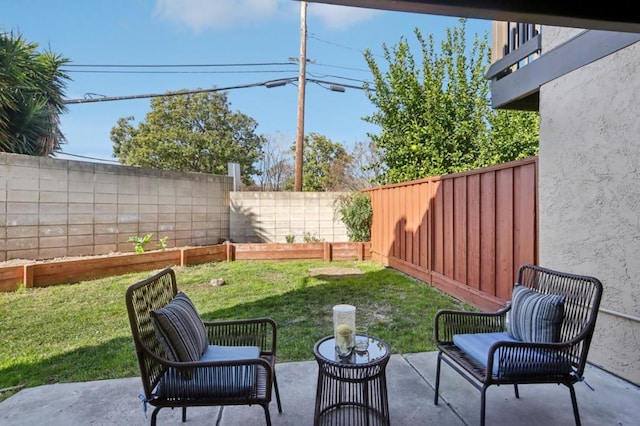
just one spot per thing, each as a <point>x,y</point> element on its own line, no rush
<point>410,382</point>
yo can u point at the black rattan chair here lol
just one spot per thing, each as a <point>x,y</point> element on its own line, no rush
<point>201,383</point>
<point>481,346</point>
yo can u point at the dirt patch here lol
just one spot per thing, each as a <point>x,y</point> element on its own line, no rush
<point>334,270</point>
<point>18,262</point>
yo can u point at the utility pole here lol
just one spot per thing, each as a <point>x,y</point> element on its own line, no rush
<point>301,89</point>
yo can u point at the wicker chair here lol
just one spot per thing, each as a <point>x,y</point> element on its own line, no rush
<point>211,382</point>
<point>481,346</point>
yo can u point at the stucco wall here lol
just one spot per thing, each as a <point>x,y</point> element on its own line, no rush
<point>589,193</point>
<point>271,216</point>
<point>53,208</point>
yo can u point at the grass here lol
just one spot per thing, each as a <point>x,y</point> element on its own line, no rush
<point>80,332</point>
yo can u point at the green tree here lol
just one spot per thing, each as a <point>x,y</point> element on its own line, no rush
<point>514,135</point>
<point>31,97</point>
<point>325,164</point>
<point>436,119</point>
<point>190,133</point>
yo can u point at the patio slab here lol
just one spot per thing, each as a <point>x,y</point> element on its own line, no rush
<point>410,381</point>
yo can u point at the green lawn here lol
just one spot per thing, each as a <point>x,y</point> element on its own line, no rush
<point>80,332</point>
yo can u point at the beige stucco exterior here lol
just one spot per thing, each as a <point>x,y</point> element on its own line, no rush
<point>589,191</point>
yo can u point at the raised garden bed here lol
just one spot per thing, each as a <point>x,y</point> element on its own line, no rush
<point>66,271</point>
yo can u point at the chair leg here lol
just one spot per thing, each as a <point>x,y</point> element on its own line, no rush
<point>574,402</point>
<point>267,415</point>
<point>515,389</point>
<point>154,416</point>
<point>275,387</point>
<point>184,414</point>
<point>483,401</point>
<point>435,398</point>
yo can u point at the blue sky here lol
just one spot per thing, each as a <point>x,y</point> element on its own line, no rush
<point>188,32</point>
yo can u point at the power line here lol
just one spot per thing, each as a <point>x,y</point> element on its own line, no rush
<point>343,68</point>
<point>157,95</point>
<point>313,36</point>
<point>268,84</point>
<point>334,76</point>
<point>173,72</point>
<point>111,71</point>
<point>248,64</point>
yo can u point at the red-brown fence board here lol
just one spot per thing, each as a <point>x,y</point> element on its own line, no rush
<point>448,212</point>
<point>460,221</point>
<point>488,232</point>
<point>473,231</point>
<point>504,233</point>
<point>437,237</point>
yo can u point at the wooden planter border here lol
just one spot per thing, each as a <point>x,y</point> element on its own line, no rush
<point>47,273</point>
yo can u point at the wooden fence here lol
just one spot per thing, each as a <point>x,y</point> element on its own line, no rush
<point>465,233</point>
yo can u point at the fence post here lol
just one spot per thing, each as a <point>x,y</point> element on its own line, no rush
<point>229,251</point>
<point>27,276</point>
<point>327,251</point>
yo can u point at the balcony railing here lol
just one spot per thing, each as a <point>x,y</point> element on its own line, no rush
<point>514,45</point>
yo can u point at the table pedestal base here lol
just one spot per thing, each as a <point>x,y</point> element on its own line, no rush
<point>350,394</point>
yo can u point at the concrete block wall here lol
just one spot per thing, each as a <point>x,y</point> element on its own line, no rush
<point>54,208</point>
<point>270,216</point>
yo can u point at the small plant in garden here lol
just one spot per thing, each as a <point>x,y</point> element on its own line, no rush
<point>290,238</point>
<point>357,214</point>
<point>140,242</point>
<point>311,237</point>
<point>162,243</point>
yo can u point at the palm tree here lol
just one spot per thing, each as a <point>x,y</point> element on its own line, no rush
<point>31,97</point>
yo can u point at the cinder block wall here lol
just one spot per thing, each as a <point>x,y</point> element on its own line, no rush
<point>54,208</point>
<point>270,216</point>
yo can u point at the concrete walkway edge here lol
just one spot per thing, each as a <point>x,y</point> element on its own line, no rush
<point>410,383</point>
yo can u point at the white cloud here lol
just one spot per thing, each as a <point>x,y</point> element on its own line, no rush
<point>340,17</point>
<point>202,14</point>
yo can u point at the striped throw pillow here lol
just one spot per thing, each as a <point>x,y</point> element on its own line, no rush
<point>535,317</point>
<point>180,330</point>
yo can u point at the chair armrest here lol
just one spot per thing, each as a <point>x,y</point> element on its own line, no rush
<point>450,322</point>
<point>261,332</point>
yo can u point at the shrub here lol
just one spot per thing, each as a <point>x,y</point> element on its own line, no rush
<point>357,214</point>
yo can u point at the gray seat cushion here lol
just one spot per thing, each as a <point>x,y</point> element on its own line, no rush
<point>233,381</point>
<point>528,362</point>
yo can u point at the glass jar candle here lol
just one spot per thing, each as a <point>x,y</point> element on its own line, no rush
<point>344,328</point>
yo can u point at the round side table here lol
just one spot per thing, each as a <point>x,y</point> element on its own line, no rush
<point>351,390</point>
